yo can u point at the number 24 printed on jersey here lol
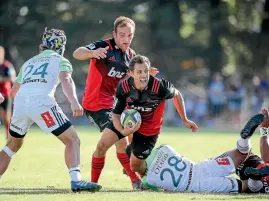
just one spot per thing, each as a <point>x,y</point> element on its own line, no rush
<point>32,70</point>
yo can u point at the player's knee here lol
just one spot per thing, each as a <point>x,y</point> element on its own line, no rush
<point>70,137</point>
<point>135,167</point>
<point>102,148</point>
<point>121,145</point>
<point>135,164</point>
<point>72,141</point>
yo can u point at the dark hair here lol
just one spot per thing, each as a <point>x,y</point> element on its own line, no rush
<point>138,59</point>
<point>123,21</point>
<point>43,47</point>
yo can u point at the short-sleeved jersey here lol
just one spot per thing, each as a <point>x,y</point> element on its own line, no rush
<point>104,75</point>
<point>6,71</point>
<point>150,102</point>
<point>39,75</point>
<point>253,161</point>
<point>167,170</point>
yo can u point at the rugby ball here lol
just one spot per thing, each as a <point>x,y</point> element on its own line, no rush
<point>129,118</point>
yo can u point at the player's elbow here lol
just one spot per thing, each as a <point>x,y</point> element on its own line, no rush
<point>79,53</point>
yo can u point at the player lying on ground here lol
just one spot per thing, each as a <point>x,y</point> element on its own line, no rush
<point>255,170</point>
<point>34,102</point>
<point>169,170</point>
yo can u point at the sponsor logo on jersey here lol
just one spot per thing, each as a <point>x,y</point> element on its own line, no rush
<point>162,157</point>
<point>35,80</point>
<point>142,109</point>
<point>114,73</point>
<point>265,184</point>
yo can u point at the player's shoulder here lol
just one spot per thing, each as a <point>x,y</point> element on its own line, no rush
<point>125,85</point>
<point>99,44</point>
<point>131,52</point>
<point>155,84</point>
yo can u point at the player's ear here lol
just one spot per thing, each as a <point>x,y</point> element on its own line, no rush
<point>131,73</point>
<point>113,34</point>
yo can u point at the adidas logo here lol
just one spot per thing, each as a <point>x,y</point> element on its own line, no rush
<point>146,152</point>
<point>112,58</point>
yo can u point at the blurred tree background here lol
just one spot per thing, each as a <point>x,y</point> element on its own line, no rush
<point>181,37</point>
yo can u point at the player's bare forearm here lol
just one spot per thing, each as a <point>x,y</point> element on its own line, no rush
<point>116,122</point>
<point>180,105</point>
<point>14,90</point>
<point>264,149</point>
<point>82,53</point>
<point>69,87</point>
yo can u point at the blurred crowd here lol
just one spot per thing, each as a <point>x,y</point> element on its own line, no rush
<point>224,101</point>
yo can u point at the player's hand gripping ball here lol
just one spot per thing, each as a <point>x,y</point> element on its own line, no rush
<point>129,118</point>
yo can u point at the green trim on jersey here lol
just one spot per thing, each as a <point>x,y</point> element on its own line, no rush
<point>19,78</point>
<point>65,65</point>
<point>144,181</point>
<point>149,160</point>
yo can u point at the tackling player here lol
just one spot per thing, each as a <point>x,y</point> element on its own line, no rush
<point>255,170</point>
<point>7,78</point>
<point>166,169</point>
<point>147,95</point>
<point>34,102</point>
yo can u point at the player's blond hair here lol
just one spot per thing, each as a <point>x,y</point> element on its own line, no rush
<point>123,21</point>
<point>138,59</point>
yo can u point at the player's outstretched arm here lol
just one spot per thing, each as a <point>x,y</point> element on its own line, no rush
<point>69,90</point>
<point>180,106</point>
<point>83,53</point>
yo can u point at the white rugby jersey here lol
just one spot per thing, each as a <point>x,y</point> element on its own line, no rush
<point>167,170</point>
<point>39,75</point>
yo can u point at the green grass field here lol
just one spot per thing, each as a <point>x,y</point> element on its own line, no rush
<point>38,171</point>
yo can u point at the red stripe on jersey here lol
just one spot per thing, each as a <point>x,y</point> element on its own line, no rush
<point>124,86</point>
<point>155,86</point>
<point>128,88</point>
<point>158,86</point>
<point>109,43</point>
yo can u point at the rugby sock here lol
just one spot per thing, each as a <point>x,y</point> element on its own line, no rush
<point>75,174</point>
<point>243,145</point>
<point>125,162</point>
<point>263,131</point>
<point>97,167</point>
